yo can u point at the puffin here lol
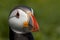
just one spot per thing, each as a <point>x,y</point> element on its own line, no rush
<point>22,23</point>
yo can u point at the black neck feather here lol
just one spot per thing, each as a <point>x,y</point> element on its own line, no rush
<point>16,36</point>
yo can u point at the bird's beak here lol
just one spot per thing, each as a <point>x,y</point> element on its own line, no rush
<point>35,24</point>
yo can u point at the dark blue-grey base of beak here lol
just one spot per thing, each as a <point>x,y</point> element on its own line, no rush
<point>15,36</point>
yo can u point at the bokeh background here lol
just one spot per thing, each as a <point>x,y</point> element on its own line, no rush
<point>47,13</point>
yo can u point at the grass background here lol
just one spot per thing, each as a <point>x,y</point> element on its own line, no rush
<point>47,13</point>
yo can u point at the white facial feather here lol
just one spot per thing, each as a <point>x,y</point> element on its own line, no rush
<point>17,22</point>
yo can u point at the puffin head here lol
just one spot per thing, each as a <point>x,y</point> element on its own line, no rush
<point>22,17</point>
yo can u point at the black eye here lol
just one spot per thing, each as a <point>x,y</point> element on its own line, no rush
<point>17,15</point>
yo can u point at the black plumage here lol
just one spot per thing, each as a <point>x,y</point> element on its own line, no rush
<point>16,36</point>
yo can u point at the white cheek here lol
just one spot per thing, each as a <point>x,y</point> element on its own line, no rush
<point>14,22</point>
<point>13,13</point>
<point>23,18</point>
<point>18,22</point>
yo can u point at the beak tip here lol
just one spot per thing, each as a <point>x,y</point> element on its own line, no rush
<point>35,23</point>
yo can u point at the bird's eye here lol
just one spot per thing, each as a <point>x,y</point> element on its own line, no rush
<point>17,15</point>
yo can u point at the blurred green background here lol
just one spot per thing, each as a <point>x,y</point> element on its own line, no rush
<point>47,13</point>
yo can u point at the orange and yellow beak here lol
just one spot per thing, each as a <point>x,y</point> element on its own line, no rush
<point>35,24</point>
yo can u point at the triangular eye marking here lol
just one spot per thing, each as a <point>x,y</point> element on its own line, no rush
<point>17,15</point>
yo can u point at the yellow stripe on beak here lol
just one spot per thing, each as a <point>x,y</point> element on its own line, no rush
<point>25,24</point>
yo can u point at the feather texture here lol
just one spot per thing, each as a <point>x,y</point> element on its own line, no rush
<point>16,36</point>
